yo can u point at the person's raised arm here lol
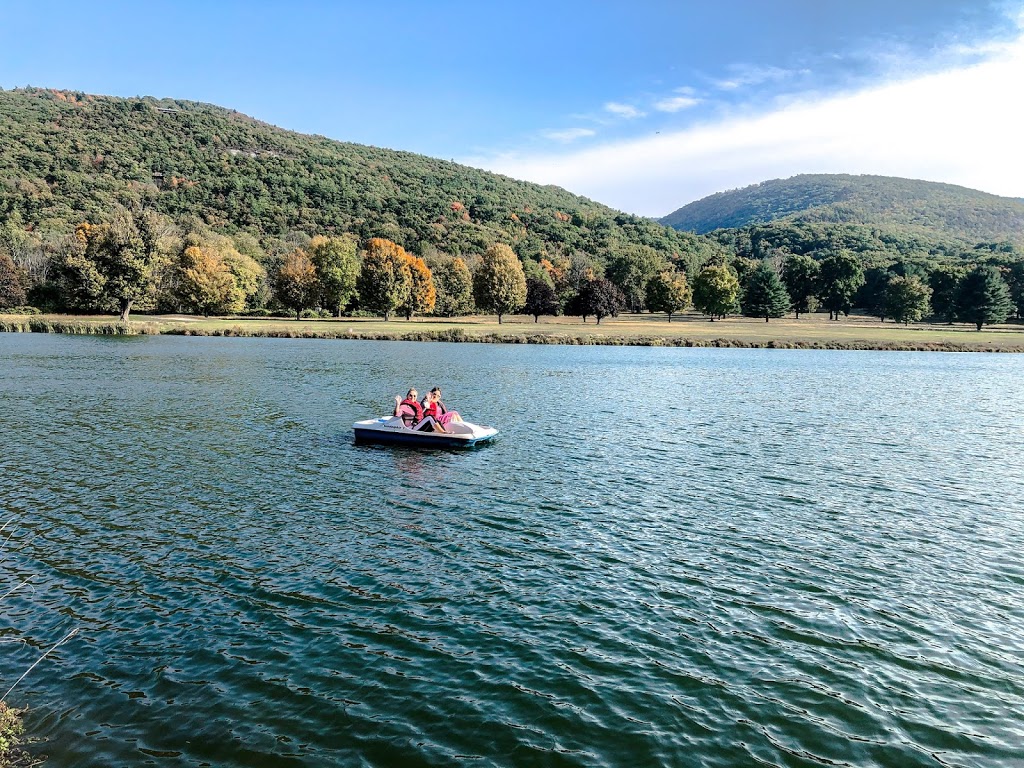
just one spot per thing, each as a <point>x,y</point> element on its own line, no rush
<point>398,405</point>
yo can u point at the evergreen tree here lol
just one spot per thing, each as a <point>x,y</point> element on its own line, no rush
<point>1015,282</point>
<point>716,291</point>
<point>540,299</point>
<point>12,292</point>
<point>668,292</point>
<point>499,284</point>
<point>384,280</point>
<point>337,268</point>
<point>907,299</point>
<point>840,279</point>
<point>454,286</point>
<point>945,284</point>
<point>765,295</point>
<point>800,276</point>
<point>984,297</point>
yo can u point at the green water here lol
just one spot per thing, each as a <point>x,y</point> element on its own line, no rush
<point>668,557</point>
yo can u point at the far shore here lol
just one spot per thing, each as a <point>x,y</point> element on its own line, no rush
<point>689,330</point>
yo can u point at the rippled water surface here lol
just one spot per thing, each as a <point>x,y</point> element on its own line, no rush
<point>668,557</point>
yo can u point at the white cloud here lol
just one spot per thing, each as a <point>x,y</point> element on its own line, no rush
<point>676,103</point>
<point>569,134</point>
<point>748,75</point>
<point>959,126</point>
<point>623,110</point>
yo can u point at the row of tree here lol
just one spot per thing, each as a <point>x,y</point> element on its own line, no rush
<point>137,258</point>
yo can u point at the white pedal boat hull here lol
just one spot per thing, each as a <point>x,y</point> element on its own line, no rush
<point>391,430</point>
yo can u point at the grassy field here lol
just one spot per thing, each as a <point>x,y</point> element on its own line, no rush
<point>810,331</point>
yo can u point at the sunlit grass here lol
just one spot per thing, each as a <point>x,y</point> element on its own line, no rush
<point>814,331</point>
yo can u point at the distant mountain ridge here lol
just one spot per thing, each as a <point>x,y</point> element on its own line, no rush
<point>67,156</point>
<point>885,202</point>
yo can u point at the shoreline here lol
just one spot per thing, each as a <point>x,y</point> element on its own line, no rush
<point>511,333</point>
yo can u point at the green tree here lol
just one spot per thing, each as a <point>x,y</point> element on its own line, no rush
<point>540,299</point>
<point>111,265</point>
<point>422,293</point>
<point>631,269</point>
<point>295,284</point>
<point>454,285</point>
<point>77,275</point>
<point>1015,281</point>
<point>336,260</point>
<point>945,284</point>
<point>800,276</point>
<point>384,280</point>
<point>716,291</point>
<point>984,297</point>
<point>841,277</point>
<point>765,295</point>
<point>873,294</point>
<point>907,299</point>
<point>601,298</point>
<point>668,292</point>
<point>499,284</point>
<point>127,254</point>
<point>12,292</point>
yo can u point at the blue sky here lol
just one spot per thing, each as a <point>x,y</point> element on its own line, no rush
<point>641,105</point>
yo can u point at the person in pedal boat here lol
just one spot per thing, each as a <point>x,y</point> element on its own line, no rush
<point>412,414</point>
<point>433,407</point>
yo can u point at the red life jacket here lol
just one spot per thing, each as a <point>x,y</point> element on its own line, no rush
<point>434,409</point>
<point>414,418</point>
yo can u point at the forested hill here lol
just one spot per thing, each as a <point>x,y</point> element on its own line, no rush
<point>922,208</point>
<point>68,156</point>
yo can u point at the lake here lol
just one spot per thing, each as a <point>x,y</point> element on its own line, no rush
<point>667,557</point>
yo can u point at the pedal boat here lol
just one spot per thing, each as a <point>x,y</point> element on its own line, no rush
<point>391,430</point>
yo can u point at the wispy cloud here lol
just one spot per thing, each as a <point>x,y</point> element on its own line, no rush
<point>569,134</point>
<point>744,75</point>
<point>676,103</point>
<point>957,125</point>
<point>626,111</point>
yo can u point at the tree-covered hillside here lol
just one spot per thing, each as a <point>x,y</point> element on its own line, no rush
<point>900,207</point>
<point>67,157</point>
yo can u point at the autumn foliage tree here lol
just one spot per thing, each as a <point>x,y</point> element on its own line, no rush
<point>12,292</point>
<point>295,284</point>
<point>212,277</point>
<point>385,279</point>
<point>454,285</point>
<point>204,283</point>
<point>668,292</point>
<point>422,293</point>
<point>499,284</point>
